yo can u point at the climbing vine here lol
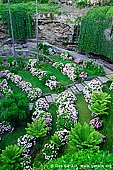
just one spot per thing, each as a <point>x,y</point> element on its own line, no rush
<point>21,19</point>
<point>96,33</point>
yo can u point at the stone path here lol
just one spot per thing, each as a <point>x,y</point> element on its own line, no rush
<point>77,88</point>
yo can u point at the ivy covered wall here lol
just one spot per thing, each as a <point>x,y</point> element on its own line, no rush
<point>21,19</point>
<point>96,32</point>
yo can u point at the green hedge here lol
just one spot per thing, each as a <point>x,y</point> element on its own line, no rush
<point>21,19</point>
<point>93,30</point>
<point>84,160</point>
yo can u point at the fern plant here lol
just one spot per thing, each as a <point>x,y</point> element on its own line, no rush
<point>100,97</point>
<point>99,101</point>
<point>37,128</point>
<point>99,109</point>
<point>84,137</point>
<point>11,158</point>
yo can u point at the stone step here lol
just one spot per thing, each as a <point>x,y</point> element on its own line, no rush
<point>49,99</point>
<point>54,96</point>
<point>109,75</point>
<point>80,87</point>
<point>103,79</point>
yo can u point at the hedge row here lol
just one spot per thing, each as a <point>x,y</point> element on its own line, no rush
<point>96,32</point>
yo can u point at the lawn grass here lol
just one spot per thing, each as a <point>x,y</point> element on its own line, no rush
<point>84,114</point>
<point>11,138</point>
<point>60,77</point>
<point>34,81</point>
<point>31,6</point>
<point>107,129</point>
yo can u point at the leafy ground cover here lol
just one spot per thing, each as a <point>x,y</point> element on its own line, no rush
<point>108,122</point>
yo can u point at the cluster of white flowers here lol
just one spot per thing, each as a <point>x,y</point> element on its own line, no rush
<point>65,56</point>
<point>41,108</point>
<point>39,73</point>
<point>5,127</point>
<point>94,85</point>
<point>27,142</point>
<point>96,123</point>
<point>69,70</point>
<point>111,86</point>
<point>31,63</point>
<point>4,87</point>
<point>66,104</point>
<point>63,136</point>
<point>32,93</point>
<point>41,104</point>
<point>51,82</point>
<point>50,151</point>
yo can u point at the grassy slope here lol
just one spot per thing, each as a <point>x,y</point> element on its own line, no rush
<point>82,107</point>
<point>108,123</point>
<point>60,77</point>
<point>34,80</point>
<point>11,138</point>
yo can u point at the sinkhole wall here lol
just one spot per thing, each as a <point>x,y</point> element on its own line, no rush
<point>96,32</point>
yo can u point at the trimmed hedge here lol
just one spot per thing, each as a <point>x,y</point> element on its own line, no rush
<point>96,32</point>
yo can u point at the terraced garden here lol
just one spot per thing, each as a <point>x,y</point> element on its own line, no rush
<point>30,119</point>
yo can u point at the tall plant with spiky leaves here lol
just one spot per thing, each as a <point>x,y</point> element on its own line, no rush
<point>99,102</point>
<point>84,137</point>
<point>11,158</point>
<point>37,128</point>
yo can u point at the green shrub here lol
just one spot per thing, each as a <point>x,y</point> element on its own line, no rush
<point>14,108</point>
<point>84,137</point>
<point>81,160</point>
<point>94,31</point>
<point>11,158</point>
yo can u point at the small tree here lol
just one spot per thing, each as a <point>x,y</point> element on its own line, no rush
<point>37,128</point>
<point>84,137</point>
<point>11,158</point>
<point>14,108</point>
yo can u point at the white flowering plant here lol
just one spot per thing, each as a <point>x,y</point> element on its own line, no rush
<point>5,127</point>
<point>44,116</point>
<point>32,92</point>
<point>50,150</point>
<point>93,85</point>
<point>4,87</point>
<point>60,137</point>
<point>41,104</point>
<point>26,142</point>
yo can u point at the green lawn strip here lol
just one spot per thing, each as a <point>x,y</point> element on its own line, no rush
<point>34,81</point>
<point>92,72</point>
<point>84,114</point>
<point>60,77</point>
<point>39,159</point>
<point>107,129</point>
<point>11,138</point>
